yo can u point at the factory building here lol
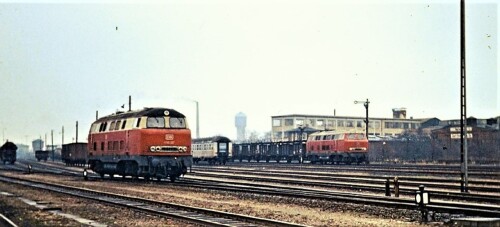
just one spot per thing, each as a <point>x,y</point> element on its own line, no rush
<point>289,127</point>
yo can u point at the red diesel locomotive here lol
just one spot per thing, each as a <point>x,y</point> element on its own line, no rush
<point>335,147</point>
<point>152,142</point>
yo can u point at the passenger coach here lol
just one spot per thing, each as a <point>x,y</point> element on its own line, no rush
<point>152,142</point>
<point>217,149</point>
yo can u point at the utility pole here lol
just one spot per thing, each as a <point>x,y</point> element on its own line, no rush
<point>197,120</point>
<point>129,103</point>
<point>366,104</point>
<point>52,138</point>
<point>463,103</point>
<point>62,139</point>
<point>76,132</point>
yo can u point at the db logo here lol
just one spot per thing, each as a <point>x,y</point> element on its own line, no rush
<point>169,137</point>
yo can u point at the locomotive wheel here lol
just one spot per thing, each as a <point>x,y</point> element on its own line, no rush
<point>172,178</point>
<point>102,175</point>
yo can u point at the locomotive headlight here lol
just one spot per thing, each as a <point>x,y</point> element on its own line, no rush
<point>184,149</point>
<point>158,148</point>
<point>152,149</point>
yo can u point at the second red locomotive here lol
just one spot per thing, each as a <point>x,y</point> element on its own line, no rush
<point>335,147</point>
<point>152,142</point>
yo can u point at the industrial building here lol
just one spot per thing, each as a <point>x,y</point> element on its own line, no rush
<point>289,127</point>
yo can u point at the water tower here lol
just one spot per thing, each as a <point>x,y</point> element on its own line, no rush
<point>240,121</point>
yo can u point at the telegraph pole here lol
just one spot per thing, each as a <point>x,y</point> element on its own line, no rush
<point>62,139</point>
<point>52,138</point>
<point>463,103</point>
<point>76,132</point>
<point>197,120</point>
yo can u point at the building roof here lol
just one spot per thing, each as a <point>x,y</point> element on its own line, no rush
<point>346,117</point>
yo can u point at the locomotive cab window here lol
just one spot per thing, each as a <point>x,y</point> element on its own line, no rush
<point>177,122</point>
<point>155,122</point>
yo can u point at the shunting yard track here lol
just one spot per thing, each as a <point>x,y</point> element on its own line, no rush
<point>201,216</point>
<point>492,172</point>
<point>259,185</point>
<point>348,180</point>
<point>391,202</point>
<point>351,182</point>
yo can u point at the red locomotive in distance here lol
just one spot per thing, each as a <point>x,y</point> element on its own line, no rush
<point>335,147</point>
<point>152,142</point>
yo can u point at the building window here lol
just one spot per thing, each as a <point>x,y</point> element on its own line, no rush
<point>398,125</point>
<point>288,122</point>
<point>276,122</point>
<point>299,122</point>
<point>311,122</point>
<point>340,123</point>
<point>389,124</point>
<point>349,123</point>
<point>359,124</point>
<point>320,122</point>
<point>329,123</point>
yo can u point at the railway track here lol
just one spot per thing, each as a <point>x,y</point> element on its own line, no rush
<point>201,216</point>
<point>380,189</point>
<point>5,221</point>
<point>479,186</point>
<point>492,172</point>
<point>363,183</point>
<point>261,185</point>
<point>317,194</point>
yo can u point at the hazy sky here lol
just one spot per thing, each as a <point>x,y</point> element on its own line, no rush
<point>59,62</point>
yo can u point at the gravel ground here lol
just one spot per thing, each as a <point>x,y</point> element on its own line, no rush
<point>302,211</point>
<point>25,215</point>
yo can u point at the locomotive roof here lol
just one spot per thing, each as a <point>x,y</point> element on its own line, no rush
<point>322,133</point>
<point>8,146</point>
<point>146,112</point>
<point>212,139</point>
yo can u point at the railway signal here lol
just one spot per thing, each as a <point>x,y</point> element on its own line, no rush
<point>365,103</point>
